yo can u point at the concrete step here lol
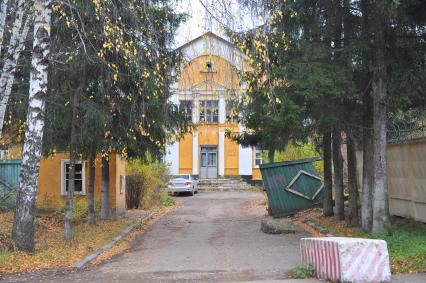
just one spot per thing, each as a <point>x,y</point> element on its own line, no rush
<point>222,184</point>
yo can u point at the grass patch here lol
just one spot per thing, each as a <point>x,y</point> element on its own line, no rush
<point>51,249</point>
<point>407,245</point>
<point>302,272</point>
<point>165,199</point>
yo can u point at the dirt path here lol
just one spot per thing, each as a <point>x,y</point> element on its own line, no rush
<point>212,237</point>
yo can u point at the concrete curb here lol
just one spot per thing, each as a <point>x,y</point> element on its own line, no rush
<point>88,259</point>
<point>318,228</point>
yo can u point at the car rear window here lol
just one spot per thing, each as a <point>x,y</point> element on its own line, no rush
<point>186,177</point>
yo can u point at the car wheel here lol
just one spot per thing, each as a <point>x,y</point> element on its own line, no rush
<point>191,193</point>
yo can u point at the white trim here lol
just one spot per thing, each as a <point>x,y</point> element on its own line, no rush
<point>288,188</point>
<point>195,153</point>
<point>208,44</point>
<point>222,109</point>
<point>221,153</point>
<point>83,177</point>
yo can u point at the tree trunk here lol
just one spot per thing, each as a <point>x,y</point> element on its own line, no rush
<point>367,167</point>
<point>73,157</point>
<point>381,222</point>
<point>25,211</point>
<point>14,48</point>
<point>353,217</point>
<point>271,155</point>
<point>328,178</point>
<point>339,206</point>
<point>105,205</point>
<point>91,192</point>
<point>3,16</point>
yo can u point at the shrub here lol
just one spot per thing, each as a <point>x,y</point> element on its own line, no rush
<point>80,209</point>
<point>143,183</point>
<point>295,151</point>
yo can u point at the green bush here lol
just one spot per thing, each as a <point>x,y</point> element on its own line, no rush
<point>296,151</point>
<point>144,182</point>
<point>165,199</point>
<point>80,209</point>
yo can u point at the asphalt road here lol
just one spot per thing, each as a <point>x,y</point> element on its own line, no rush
<point>213,237</point>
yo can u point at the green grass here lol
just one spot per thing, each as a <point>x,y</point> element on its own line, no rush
<point>407,244</point>
<point>165,199</point>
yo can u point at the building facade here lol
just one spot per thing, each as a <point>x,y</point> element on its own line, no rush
<point>207,89</point>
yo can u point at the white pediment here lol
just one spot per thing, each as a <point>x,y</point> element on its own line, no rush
<point>211,44</point>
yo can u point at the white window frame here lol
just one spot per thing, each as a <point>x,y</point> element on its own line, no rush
<point>256,151</point>
<point>64,163</point>
<point>204,111</point>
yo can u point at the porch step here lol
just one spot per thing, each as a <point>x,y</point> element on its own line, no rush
<point>222,185</point>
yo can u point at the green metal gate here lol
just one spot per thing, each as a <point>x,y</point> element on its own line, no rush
<point>291,186</point>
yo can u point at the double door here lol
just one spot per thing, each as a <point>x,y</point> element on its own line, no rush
<point>208,164</point>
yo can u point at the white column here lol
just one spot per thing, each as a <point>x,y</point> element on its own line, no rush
<point>221,153</point>
<point>245,158</point>
<point>195,152</point>
<point>222,108</point>
<point>195,108</point>
<point>172,157</point>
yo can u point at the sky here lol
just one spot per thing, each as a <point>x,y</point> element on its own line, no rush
<point>228,12</point>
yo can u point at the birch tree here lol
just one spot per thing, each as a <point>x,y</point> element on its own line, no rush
<point>3,16</point>
<point>19,32</point>
<point>23,225</point>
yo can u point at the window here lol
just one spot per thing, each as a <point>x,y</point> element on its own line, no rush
<point>79,179</point>
<point>186,108</point>
<point>209,111</point>
<point>258,157</point>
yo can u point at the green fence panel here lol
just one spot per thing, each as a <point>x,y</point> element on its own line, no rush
<point>9,181</point>
<point>291,186</point>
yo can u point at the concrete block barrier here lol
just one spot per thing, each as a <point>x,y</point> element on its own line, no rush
<point>341,259</point>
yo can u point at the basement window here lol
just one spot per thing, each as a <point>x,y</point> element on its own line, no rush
<point>79,179</point>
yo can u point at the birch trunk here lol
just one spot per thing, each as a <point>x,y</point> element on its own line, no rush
<point>3,16</point>
<point>353,216</point>
<point>328,178</point>
<point>91,191</point>
<point>367,167</point>
<point>25,211</point>
<point>105,204</point>
<point>15,47</point>
<point>339,206</point>
<point>381,222</point>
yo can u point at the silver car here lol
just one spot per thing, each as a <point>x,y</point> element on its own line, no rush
<point>183,183</point>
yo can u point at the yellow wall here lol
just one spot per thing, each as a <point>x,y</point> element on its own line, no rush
<point>223,73</point>
<point>185,154</point>
<point>49,192</point>
<point>231,154</point>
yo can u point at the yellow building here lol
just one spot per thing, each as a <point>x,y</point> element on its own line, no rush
<point>52,181</point>
<point>207,88</point>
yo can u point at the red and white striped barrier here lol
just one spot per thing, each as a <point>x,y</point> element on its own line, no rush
<point>347,259</point>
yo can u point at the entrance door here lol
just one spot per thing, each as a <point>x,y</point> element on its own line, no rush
<point>208,164</point>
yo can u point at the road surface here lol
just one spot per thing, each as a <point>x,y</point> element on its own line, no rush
<point>212,237</point>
